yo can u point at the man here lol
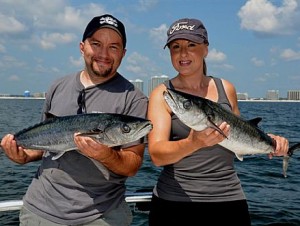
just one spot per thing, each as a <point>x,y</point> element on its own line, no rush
<point>71,190</point>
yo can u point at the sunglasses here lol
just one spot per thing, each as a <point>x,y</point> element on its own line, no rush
<point>81,102</point>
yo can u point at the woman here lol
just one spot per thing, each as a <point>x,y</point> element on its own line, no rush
<point>198,182</point>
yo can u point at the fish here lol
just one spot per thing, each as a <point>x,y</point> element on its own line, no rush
<point>245,136</point>
<point>56,134</point>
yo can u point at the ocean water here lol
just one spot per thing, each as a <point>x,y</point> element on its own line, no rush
<point>273,199</point>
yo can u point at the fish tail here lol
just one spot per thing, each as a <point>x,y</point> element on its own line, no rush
<point>285,162</point>
<point>293,148</point>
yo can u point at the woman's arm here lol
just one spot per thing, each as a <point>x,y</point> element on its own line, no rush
<point>161,149</point>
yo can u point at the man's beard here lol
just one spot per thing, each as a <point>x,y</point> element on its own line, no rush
<point>101,73</point>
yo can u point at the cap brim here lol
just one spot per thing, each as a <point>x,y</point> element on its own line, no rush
<point>104,26</point>
<point>113,28</point>
<point>189,37</point>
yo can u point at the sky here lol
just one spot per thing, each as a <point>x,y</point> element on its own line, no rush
<point>254,44</point>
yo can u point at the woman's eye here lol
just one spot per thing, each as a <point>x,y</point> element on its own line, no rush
<point>175,46</point>
<point>192,45</point>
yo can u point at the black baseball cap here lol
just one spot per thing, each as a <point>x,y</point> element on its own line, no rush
<point>105,21</point>
<point>189,29</point>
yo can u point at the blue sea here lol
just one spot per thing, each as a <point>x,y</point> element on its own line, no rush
<point>273,199</point>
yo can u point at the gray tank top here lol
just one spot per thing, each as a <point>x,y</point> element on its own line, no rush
<point>208,175</point>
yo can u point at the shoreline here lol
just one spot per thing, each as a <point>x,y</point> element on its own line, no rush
<point>23,98</point>
<point>287,101</point>
<point>251,100</point>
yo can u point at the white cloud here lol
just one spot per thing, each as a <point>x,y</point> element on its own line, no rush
<point>10,25</point>
<point>216,56</point>
<point>12,62</point>
<point>55,69</point>
<point>40,68</point>
<point>140,65</point>
<point>2,48</point>
<point>227,67</point>
<point>14,78</point>
<point>289,55</point>
<point>136,64</point>
<point>49,41</point>
<point>263,17</point>
<point>266,77</point>
<point>135,69</point>
<point>145,5</point>
<point>159,34</point>
<point>217,59</point>
<point>76,62</point>
<point>257,62</point>
<point>40,15</point>
<point>74,18</point>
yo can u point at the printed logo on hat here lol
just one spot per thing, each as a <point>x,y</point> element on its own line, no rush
<point>181,26</point>
<point>108,20</point>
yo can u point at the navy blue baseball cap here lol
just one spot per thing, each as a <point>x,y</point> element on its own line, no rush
<point>105,21</point>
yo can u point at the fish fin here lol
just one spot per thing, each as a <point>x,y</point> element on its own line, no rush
<point>55,157</point>
<point>46,153</point>
<point>239,157</point>
<point>293,148</point>
<point>255,121</point>
<point>285,161</point>
<point>285,164</point>
<point>102,168</point>
<point>49,115</point>
<point>214,126</point>
<point>93,134</point>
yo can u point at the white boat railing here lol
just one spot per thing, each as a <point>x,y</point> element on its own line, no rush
<point>139,200</point>
<point>11,205</point>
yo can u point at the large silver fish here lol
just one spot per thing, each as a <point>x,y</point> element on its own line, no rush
<point>245,138</point>
<point>56,134</point>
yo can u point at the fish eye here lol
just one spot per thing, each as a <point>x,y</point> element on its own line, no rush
<point>125,128</point>
<point>187,104</point>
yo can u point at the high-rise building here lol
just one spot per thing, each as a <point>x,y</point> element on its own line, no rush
<point>272,95</point>
<point>155,81</point>
<point>138,83</point>
<point>242,96</point>
<point>293,95</point>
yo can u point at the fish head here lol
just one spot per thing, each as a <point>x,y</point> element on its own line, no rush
<point>188,108</point>
<point>120,130</point>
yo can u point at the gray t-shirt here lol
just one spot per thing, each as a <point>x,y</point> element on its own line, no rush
<point>207,175</point>
<point>71,189</point>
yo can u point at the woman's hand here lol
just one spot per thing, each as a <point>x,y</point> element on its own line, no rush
<point>282,146</point>
<point>209,136</point>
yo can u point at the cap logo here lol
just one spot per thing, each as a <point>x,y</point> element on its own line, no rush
<point>181,26</point>
<point>108,20</point>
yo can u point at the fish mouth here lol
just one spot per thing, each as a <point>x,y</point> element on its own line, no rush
<point>168,94</point>
<point>147,127</point>
<point>143,130</point>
